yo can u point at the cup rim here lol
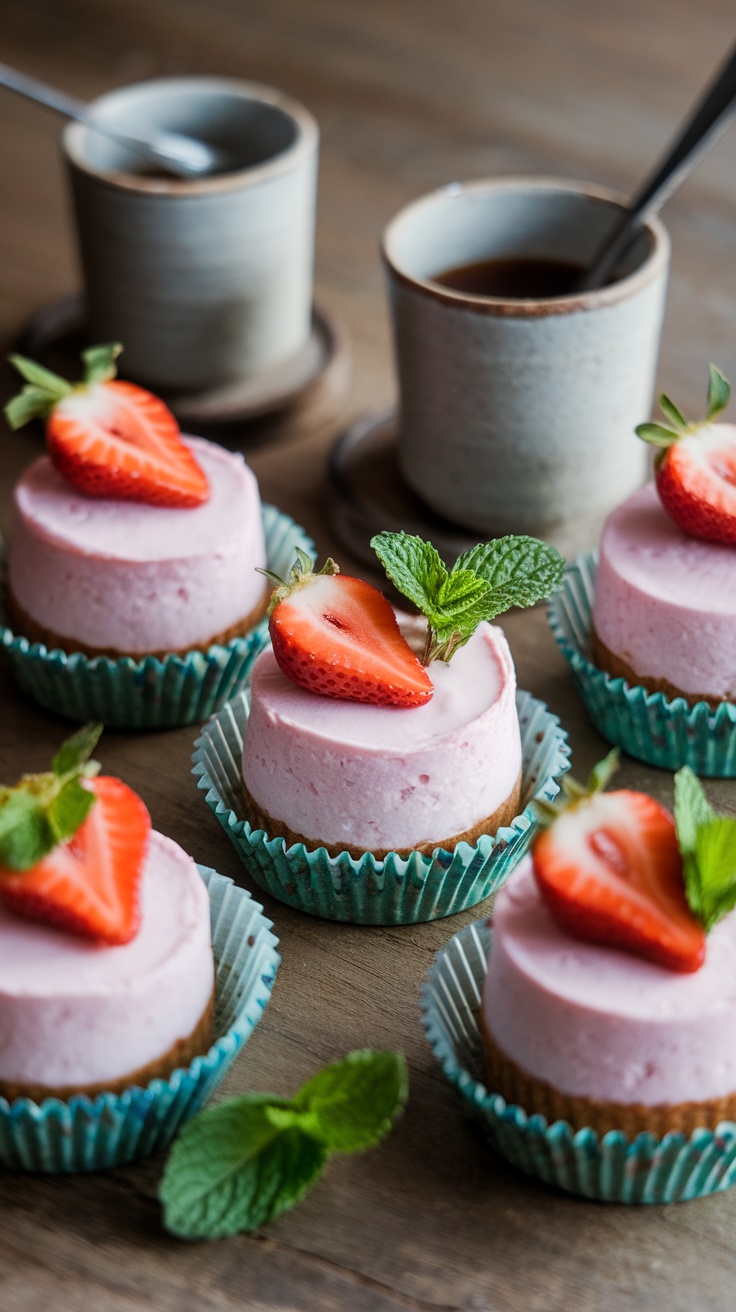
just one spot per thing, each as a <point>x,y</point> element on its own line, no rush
<point>305,143</point>
<point>652,267</point>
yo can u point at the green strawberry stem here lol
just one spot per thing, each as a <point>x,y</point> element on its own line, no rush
<point>301,572</point>
<point>574,792</point>
<point>43,389</point>
<point>666,435</point>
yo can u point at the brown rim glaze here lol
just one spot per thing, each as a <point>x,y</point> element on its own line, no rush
<point>180,1054</point>
<point>503,815</point>
<point>28,628</point>
<point>536,1096</point>
<point>501,307</point>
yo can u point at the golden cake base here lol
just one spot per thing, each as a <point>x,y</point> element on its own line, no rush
<point>503,815</point>
<point>537,1096</point>
<point>618,668</point>
<point>179,1055</point>
<point>23,624</point>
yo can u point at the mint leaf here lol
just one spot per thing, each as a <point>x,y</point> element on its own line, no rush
<point>99,363</point>
<point>233,1169</point>
<point>73,754</point>
<point>413,566</point>
<point>520,570</point>
<point>719,392</point>
<point>707,842</point>
<point>236,1166</point>
<point>67,812</point>
<point>42,810</point>
<point>715,857</point>
<point>669,409</point>
<point>657,434</point>
<point>352,1104</point>
<point>25,833</point>
<point>511,571</point>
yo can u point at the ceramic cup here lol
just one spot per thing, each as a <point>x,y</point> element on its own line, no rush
<point>205,281</point>
<point>517,416</point>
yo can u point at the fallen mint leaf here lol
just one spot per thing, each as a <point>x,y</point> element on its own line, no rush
<point>352,1103</point>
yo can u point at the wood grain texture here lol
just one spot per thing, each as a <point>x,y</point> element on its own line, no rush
<point>409,95</point>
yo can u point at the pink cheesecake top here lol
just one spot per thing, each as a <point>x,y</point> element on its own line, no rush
<point>666,602</point>
<point>379,777</point>
<point>135,577</point>
<point>603,1023</point>
<point>76,1012</point>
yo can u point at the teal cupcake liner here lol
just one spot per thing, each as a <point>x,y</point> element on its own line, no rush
<point>611,1168</point>
<point>150,693</point>
<point>90,1134</point>
<point>649,726</point>
<point>397,890</point>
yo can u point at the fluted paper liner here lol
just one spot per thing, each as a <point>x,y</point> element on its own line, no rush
<point>150,693</point>
<point>366,891</point>
<point>612,1167</point>
<point>665,732</point>
<point>87,1134</point>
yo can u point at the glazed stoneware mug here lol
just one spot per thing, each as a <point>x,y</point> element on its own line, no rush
<point>516,413</point>
<point>205,281</point>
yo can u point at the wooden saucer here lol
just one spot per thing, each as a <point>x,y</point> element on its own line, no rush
<point>369,494</point>
<point>55,335</point>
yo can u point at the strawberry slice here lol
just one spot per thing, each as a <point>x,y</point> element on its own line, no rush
<point>110,438</point>
<point>90,883</point>
<point>696,482</point>
<point>338,636</point>
<point>610,871</point>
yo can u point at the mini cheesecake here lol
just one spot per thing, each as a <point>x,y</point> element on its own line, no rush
<point>598,1037</point>
<point>78,1016</point>
<point>118,577</point>
<point>664,614</point>
<point>356,777</point>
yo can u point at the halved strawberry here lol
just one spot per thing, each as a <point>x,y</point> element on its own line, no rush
<point>90,883</point>
<point>696,482</point>
<point>110,438</point>
<point>610,870</point>
<point>695,469</point>
<point>338,636</point>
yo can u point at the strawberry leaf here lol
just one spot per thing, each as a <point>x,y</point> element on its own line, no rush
<point>73,754</point>
<point>657,434</point>
<point>25,833</point>
<point>669,409</point>
<point>30,403</point>
<point>35,373</point>
<point>99,363</point>
<point>602,773</point>
<point>67,812</point>
<point>719,392</point>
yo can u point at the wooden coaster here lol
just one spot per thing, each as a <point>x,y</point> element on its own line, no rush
<point>56,335</point>
<point>369,494</point>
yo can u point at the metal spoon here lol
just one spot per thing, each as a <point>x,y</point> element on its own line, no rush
<point>707,120</point>
<point>182,156</point>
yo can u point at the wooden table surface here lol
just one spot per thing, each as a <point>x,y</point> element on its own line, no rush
<point>409,94</point>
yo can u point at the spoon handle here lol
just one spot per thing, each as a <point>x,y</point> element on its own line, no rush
<point>33,89</point>
<point>707,120</point>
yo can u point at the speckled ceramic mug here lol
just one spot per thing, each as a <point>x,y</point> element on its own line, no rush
<point>517,416</point>
<point>205,281</point>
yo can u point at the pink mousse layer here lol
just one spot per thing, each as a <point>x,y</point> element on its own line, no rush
<point>665,602</point>
<point>600,1022</point>
<point>75,1012</point>
<point>379,777</point>
<point>134,577</point>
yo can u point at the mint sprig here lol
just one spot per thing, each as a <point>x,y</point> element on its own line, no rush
<point>43,389</point>
<point>707,843</point>
<point>241,1164</point>
<point>483,582</point>
<point>43,810</point>
<point>665,435</point>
